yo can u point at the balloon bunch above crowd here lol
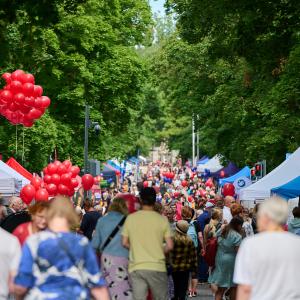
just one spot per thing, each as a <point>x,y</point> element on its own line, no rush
<point>21,101</point>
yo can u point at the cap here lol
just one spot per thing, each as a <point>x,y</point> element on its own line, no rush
<point>182,226</point>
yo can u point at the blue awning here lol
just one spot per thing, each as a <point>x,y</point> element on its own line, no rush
<point>245,172</point>
<point>289,190</point>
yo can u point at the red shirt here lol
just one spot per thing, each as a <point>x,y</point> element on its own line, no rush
<point>22,232</point>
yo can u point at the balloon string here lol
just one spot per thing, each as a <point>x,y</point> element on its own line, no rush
<point>23,150</point>
<point>16,140</point>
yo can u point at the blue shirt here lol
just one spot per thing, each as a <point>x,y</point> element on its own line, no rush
<point>203,220</point>
<point>104,228</point>
<point>49,272</point>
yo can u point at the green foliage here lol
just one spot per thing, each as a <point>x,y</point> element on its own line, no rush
<point>80,52</point>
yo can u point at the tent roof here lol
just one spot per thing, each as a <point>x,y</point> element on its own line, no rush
<point>285,172</point>
<point>203,160</point>
<point>229,170</point>
<point>245,172</point>
<point>11,172</point>
<point>289,190</point>
<point>19,168</point>
<point>213,165</point>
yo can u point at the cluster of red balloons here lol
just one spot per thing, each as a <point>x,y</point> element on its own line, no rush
<point>34,191</point>
<point>60,178</point>
<point>21,101</point>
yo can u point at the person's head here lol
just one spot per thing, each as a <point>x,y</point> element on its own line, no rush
<point>119,205</point>
<point>3,210</point>
<point>170,214</point>
<point>148,196</point>
<point>272,214</point>
<point>62,208</point>
<point>228,201</point>
<point>209,206</point>
<point>296,212</point>
<point>217,214</point>
<point>158,207</point>
<point>235,224</point>
<point>182,227</point>
<point>236,210</point>
<point>219,201</point>
<point>38,213</point>
<point>186,213</point>
<point>16,204</point>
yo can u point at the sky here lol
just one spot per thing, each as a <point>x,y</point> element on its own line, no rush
<point>157,6</point>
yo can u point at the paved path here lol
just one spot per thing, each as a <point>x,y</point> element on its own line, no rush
<point>204,293</point>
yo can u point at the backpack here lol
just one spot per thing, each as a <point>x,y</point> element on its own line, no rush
<point>211,251</point>
<point>193,234</point>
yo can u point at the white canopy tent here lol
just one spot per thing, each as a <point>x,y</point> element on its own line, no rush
<point>21,181</point>
<point>284,173</point>
<point>8,184</point>
<point>213,165</point>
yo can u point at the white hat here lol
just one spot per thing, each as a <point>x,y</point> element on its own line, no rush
<point>209,205</point>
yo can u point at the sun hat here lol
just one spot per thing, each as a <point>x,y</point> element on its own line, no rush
<point>182,227</point>
<point>209,204</point>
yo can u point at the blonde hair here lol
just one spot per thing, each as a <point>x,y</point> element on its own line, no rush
<point>276,209</point>
<point>119,205</point>
<point>217,214</point>
<point>62,207</point>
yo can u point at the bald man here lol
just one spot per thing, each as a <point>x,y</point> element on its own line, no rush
<point>227,216</point>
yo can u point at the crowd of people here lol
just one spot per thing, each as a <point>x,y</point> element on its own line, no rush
<point>158,241</point>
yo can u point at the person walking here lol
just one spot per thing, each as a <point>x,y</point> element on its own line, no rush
<point>273,272</point>
<point>229,240</point>
<point>184,260</point>
<point>107,241</point>
<point>58,264</point>
<point>148,237</point>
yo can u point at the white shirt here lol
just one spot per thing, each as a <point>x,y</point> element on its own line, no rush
<point>227,216</point>
<point>10,252</point>
<point>270,263</point>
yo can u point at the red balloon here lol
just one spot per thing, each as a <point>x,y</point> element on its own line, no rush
<point>45,170</point>
<point>27,123</point>
<point>87,181</point>
<point>118,173</point>
<point>63,190</point>
<point>190,198</point>
<point>55,178</point>
<point>74,183</point>
<point>75,171</point>
<point>52,189</point>
<point>52,169</point>
<point>36,182</point>
<point>228,189</point>
<point>41,195</point>
<point>17,75</point>
<point>7,77</point>
<point>27,193</point>
<point>29,101</point>
<point>38,103</point>
<point>57,163</point>
<point>16,86</point>
<point>27,78</point>
<point>24,109</point>
<point>61,169</point>
<point>13,106</point>
<point>28,89</point>
<point>67,164</point>
<point>222,174</point>
<point>6,96</point>
<point>37,91</point>
<point>34,114</point>
<point>47,178</point>
<point>45,101</point>
<point>145,184</point>
<point>209,183</point>
<point>19,98</point>
<point>65,179</point>
<point>184,183</point>
<point>71,193</point>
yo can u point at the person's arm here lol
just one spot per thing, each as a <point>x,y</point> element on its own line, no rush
<point>169,245</point>
<point>125,242</point>
<point>243,292</point>
<point>100,293</point>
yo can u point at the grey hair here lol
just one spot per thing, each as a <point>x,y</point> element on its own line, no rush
<point>276,209</point>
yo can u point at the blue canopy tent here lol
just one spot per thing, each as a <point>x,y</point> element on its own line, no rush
<point>289,190</point>
<point>229,170</point>
<point>245,172</point>
<point>203,160</point>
